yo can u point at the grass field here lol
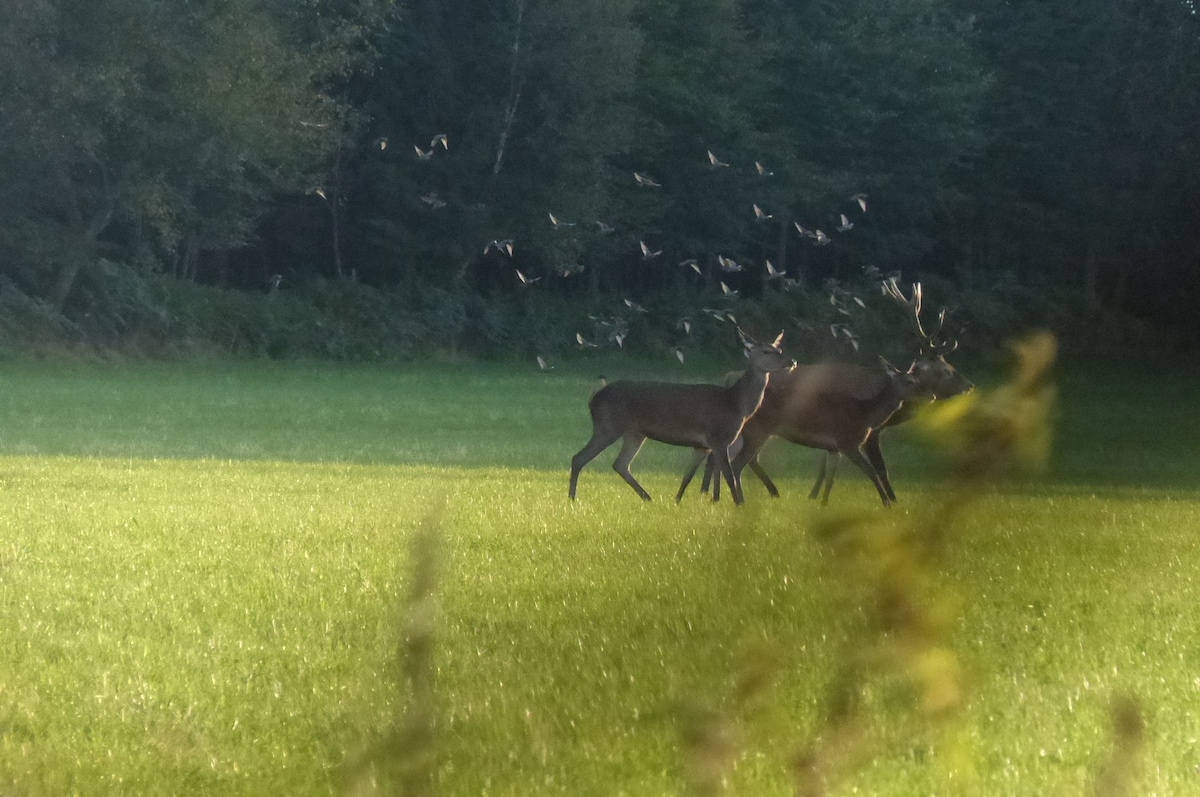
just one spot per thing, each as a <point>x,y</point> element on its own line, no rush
<point>204,569</point>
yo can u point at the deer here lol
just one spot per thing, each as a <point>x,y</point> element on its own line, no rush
<point>842,408</point>
<point>830,406</point>
<point>704,417</point>
<point>946,382</point>
<point>834,416</point>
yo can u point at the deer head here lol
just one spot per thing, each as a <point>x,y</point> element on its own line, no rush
<point>766,357</point>
<point>938,378</point>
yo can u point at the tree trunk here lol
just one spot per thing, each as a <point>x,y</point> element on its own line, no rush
<point>64,280</point>
<point>83,247</point>
<point>514,92</point>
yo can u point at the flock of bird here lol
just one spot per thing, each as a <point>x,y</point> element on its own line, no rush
<point>615,329</point>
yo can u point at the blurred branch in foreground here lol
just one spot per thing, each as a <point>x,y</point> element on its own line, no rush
<point>405,755</point>
<point>891,577</point>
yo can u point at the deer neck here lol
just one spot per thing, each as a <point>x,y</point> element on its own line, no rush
<point>748,390</point>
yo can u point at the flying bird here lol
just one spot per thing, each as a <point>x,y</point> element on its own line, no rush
<point>760,214</point>
<point>679,355</point>
<point>583,342</point>
<point>714,161</point>
<point>440,138</point>
<point>841,330</point>
<point>541,361</point>
<point>380,142</point>
<point>571,269</point>
<point>846,224</point>
<point>728,264</point>
<point>772,272</point>
<point>605,228</point>
<point>433,200</point>
<point>526,280</point>
<point>763,171</point>
<point>861,199</point>
<point>645,181</point>
<point>634,306</point>
<point>647,252</point>
<point>505,246</point>
<point>685,324</point>
<point>559,223</point>
<point>423,154</point>
<point>802,229</point>
<point>730,292</point>
<point>821,237</point>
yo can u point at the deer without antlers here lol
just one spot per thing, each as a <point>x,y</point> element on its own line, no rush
<point>704,417</point>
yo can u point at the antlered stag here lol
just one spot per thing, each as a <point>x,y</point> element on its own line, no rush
<point>945,383</point>
<point>841,408</point>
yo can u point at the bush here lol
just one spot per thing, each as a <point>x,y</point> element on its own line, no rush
<point>115,309</point>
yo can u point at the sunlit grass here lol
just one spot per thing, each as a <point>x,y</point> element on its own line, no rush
<point>202,572</point>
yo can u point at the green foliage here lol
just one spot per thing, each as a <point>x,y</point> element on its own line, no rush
<point>117,311</point>
<point>1024,150</point>
<point>1087,160</point>
<point>156,129</point>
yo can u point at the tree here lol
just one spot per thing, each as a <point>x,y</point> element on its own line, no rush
<point>1092,156</point>
<point>167,131</point>
<point>879,99</point>
<point>531,97</point>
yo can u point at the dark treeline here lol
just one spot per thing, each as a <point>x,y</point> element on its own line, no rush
<point>272,170</point>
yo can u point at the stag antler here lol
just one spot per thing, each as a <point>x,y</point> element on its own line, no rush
<point>928,342</point>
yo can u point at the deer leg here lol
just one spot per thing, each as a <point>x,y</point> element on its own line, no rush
<point>709,464</point>
<point>752,443</point>
<point>822,463</point>
<point>698,455</point>
<point>710,468</point>
<point>875,454</point>
<point>629,450</point>
<point>731,477</point>
<point>586,454</point>
<point>855,455</point>
<point>832,458</point>
<point>761,473</point>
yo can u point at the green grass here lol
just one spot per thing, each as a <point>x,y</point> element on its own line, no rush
<point>202,571</point>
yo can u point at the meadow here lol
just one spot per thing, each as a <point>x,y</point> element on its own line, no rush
<point>205,589</point>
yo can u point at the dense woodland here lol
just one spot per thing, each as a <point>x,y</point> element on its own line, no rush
<point>268,177</point>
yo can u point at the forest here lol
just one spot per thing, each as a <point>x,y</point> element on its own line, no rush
<point>377,179</point>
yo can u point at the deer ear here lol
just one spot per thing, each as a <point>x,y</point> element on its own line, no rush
<point>778,340</point>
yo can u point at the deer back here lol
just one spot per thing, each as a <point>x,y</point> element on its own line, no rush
<point>674,413</point>
<point>820,405</point>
